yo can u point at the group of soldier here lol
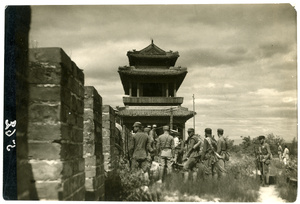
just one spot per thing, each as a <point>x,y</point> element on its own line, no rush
<point>208,155</point>
<point>200,158</point>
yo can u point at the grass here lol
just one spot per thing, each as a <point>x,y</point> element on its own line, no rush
<point>285,189</point>
<point>227,189</point>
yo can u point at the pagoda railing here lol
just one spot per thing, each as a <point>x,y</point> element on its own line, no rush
<point>152,101</point>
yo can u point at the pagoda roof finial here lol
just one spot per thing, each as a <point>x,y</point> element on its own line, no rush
<point>152,41</point>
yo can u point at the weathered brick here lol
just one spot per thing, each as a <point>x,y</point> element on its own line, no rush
<point>80,76</point>
<point>67,188</point>
<point>44,131</point>
<point>46,170</point>
<point>88,91</point>
<point>90,171</point>
<point>106,133</point>
<point>106,124</point>
<point>80,106</point>
<point>77,135</point>
<point>106,141</point>
<point>65,111</point>
<point>78,181</point>
<point>49,55</point>
<point>48,151</point>
<point>49,190</point>
<point>90,184</point>
<point>78,165</point>
<point>44,113</point>
<point>75,87</point>
<point>67,169</point>
<point>71,118</point>
<point>66,97</point>
<point>73,103</point>
<point>44,93</point>
<point>66,132</point>
<point>88,114</point>
<point>98,149</point>
<point>89,103</point>
<point>90,160</point>
<point>79,121</point>
<point>106,148</point>
<point>45,73</point>
<point>89,149</point>
<point>79,195</point>
<point>106,117</point>
<point>74,69</point>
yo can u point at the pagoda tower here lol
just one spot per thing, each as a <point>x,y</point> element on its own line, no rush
<point>151,82</point>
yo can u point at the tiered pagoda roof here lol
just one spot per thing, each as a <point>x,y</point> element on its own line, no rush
<point>152,55</point>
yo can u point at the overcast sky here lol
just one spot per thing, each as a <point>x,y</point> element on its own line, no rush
<point>241,59</point>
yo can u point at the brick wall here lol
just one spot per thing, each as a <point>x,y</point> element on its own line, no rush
<point>92,149</point>
<point>108,135</point>
<point>55,125</point>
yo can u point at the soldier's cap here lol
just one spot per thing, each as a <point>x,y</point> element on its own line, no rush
<point>166,127</point>
<point>220,130</point>
<point>191,130</point>
<point>261,137</point>
<point>153,126</point>
<point>137,124</point>
<point>207,130</point>
<point>149,126</point>
<point>147,129</point>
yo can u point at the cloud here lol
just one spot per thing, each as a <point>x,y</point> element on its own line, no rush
<point>241,59</point>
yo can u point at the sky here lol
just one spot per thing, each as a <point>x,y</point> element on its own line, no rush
<point>241,59</point>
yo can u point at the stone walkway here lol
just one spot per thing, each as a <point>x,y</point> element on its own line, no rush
<point>269,195</point>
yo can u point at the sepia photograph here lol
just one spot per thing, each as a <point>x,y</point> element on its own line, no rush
<point>150,102</point>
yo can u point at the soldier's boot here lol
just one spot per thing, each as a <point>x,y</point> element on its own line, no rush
<point>185,176</point>
<point>194,176</point>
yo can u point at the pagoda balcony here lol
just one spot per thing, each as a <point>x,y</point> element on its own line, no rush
<point>152,101</point>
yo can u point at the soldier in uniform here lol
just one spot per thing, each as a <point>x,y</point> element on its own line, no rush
<point>221,149</point>
<point>153,135</point>
<point>192,154</point>
<point>165,147</point>
<point>208,156</point>
<point>264,158</point>
<point>141,149</point>
<point>279,152</point>
<point>286,155</point>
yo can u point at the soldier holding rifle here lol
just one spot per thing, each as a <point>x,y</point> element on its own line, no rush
<point>264,160</point>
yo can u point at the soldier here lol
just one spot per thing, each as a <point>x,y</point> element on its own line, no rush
<point>152,154</point>
<point>153,135</point>
<point>279,152</point>
<point>221,151</point>
<point>208,156</point>
<point>192,154</point>
<point>286,155</point>
<point>264,160</point>
<point>165,147</point>
<point>177,145</point>
<point>141,147</point>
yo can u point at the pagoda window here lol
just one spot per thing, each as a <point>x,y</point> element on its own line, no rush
<point>152,89</point>
<point>133,89</point>
<point>170,91</point>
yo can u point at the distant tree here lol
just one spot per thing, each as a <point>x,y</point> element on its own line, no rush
<point>294,147</point>
<point>273,141</point>
<point>229,142</point>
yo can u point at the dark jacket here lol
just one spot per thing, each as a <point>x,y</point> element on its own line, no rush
<point>141,146</point>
